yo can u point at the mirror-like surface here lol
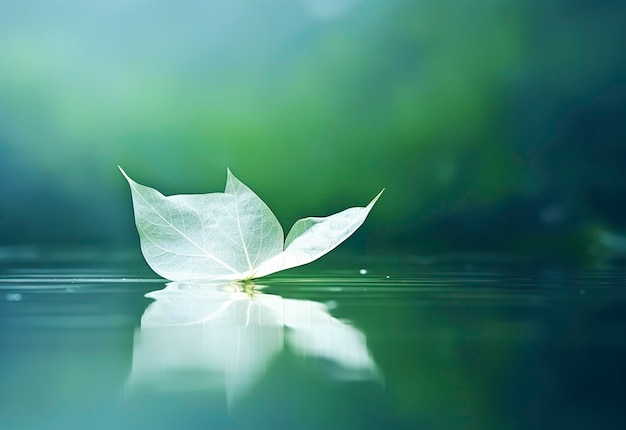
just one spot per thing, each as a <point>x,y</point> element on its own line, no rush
<point>222,336</point>
<point>394,343</point>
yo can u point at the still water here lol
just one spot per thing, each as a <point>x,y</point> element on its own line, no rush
<point>96,341</point>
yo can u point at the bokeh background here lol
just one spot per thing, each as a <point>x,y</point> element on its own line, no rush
<point>495,126</point>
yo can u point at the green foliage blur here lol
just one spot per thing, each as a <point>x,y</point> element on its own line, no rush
<point>494,126</point>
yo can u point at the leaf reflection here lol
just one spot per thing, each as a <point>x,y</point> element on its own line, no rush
<point>223,336</point>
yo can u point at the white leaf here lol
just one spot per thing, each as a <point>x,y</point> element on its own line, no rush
<point>310,238</point>
<point>231,235</point>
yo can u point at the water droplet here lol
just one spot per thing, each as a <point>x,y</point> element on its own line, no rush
<point>13,297</point>
<point>363,271</point>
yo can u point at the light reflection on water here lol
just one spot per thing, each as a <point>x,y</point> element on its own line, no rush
<point>402,346</point>
<point>222,337</point>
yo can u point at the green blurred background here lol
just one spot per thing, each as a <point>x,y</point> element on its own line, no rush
<point>495,126</point>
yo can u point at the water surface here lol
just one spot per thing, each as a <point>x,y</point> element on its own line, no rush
<point>364,343</point>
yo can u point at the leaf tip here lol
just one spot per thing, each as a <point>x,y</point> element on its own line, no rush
<point>375,199</point>
<point>231,181</point>
<point>125,175</point>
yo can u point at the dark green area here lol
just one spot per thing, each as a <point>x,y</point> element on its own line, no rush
<point>494,126</point>
<point>457,344</point>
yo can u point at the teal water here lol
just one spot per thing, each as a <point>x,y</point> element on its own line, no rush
<point>344,343</point>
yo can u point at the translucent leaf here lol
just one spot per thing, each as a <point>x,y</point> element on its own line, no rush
<point>207,236</point>
<point>310,238</point>
<point>231,235</point>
